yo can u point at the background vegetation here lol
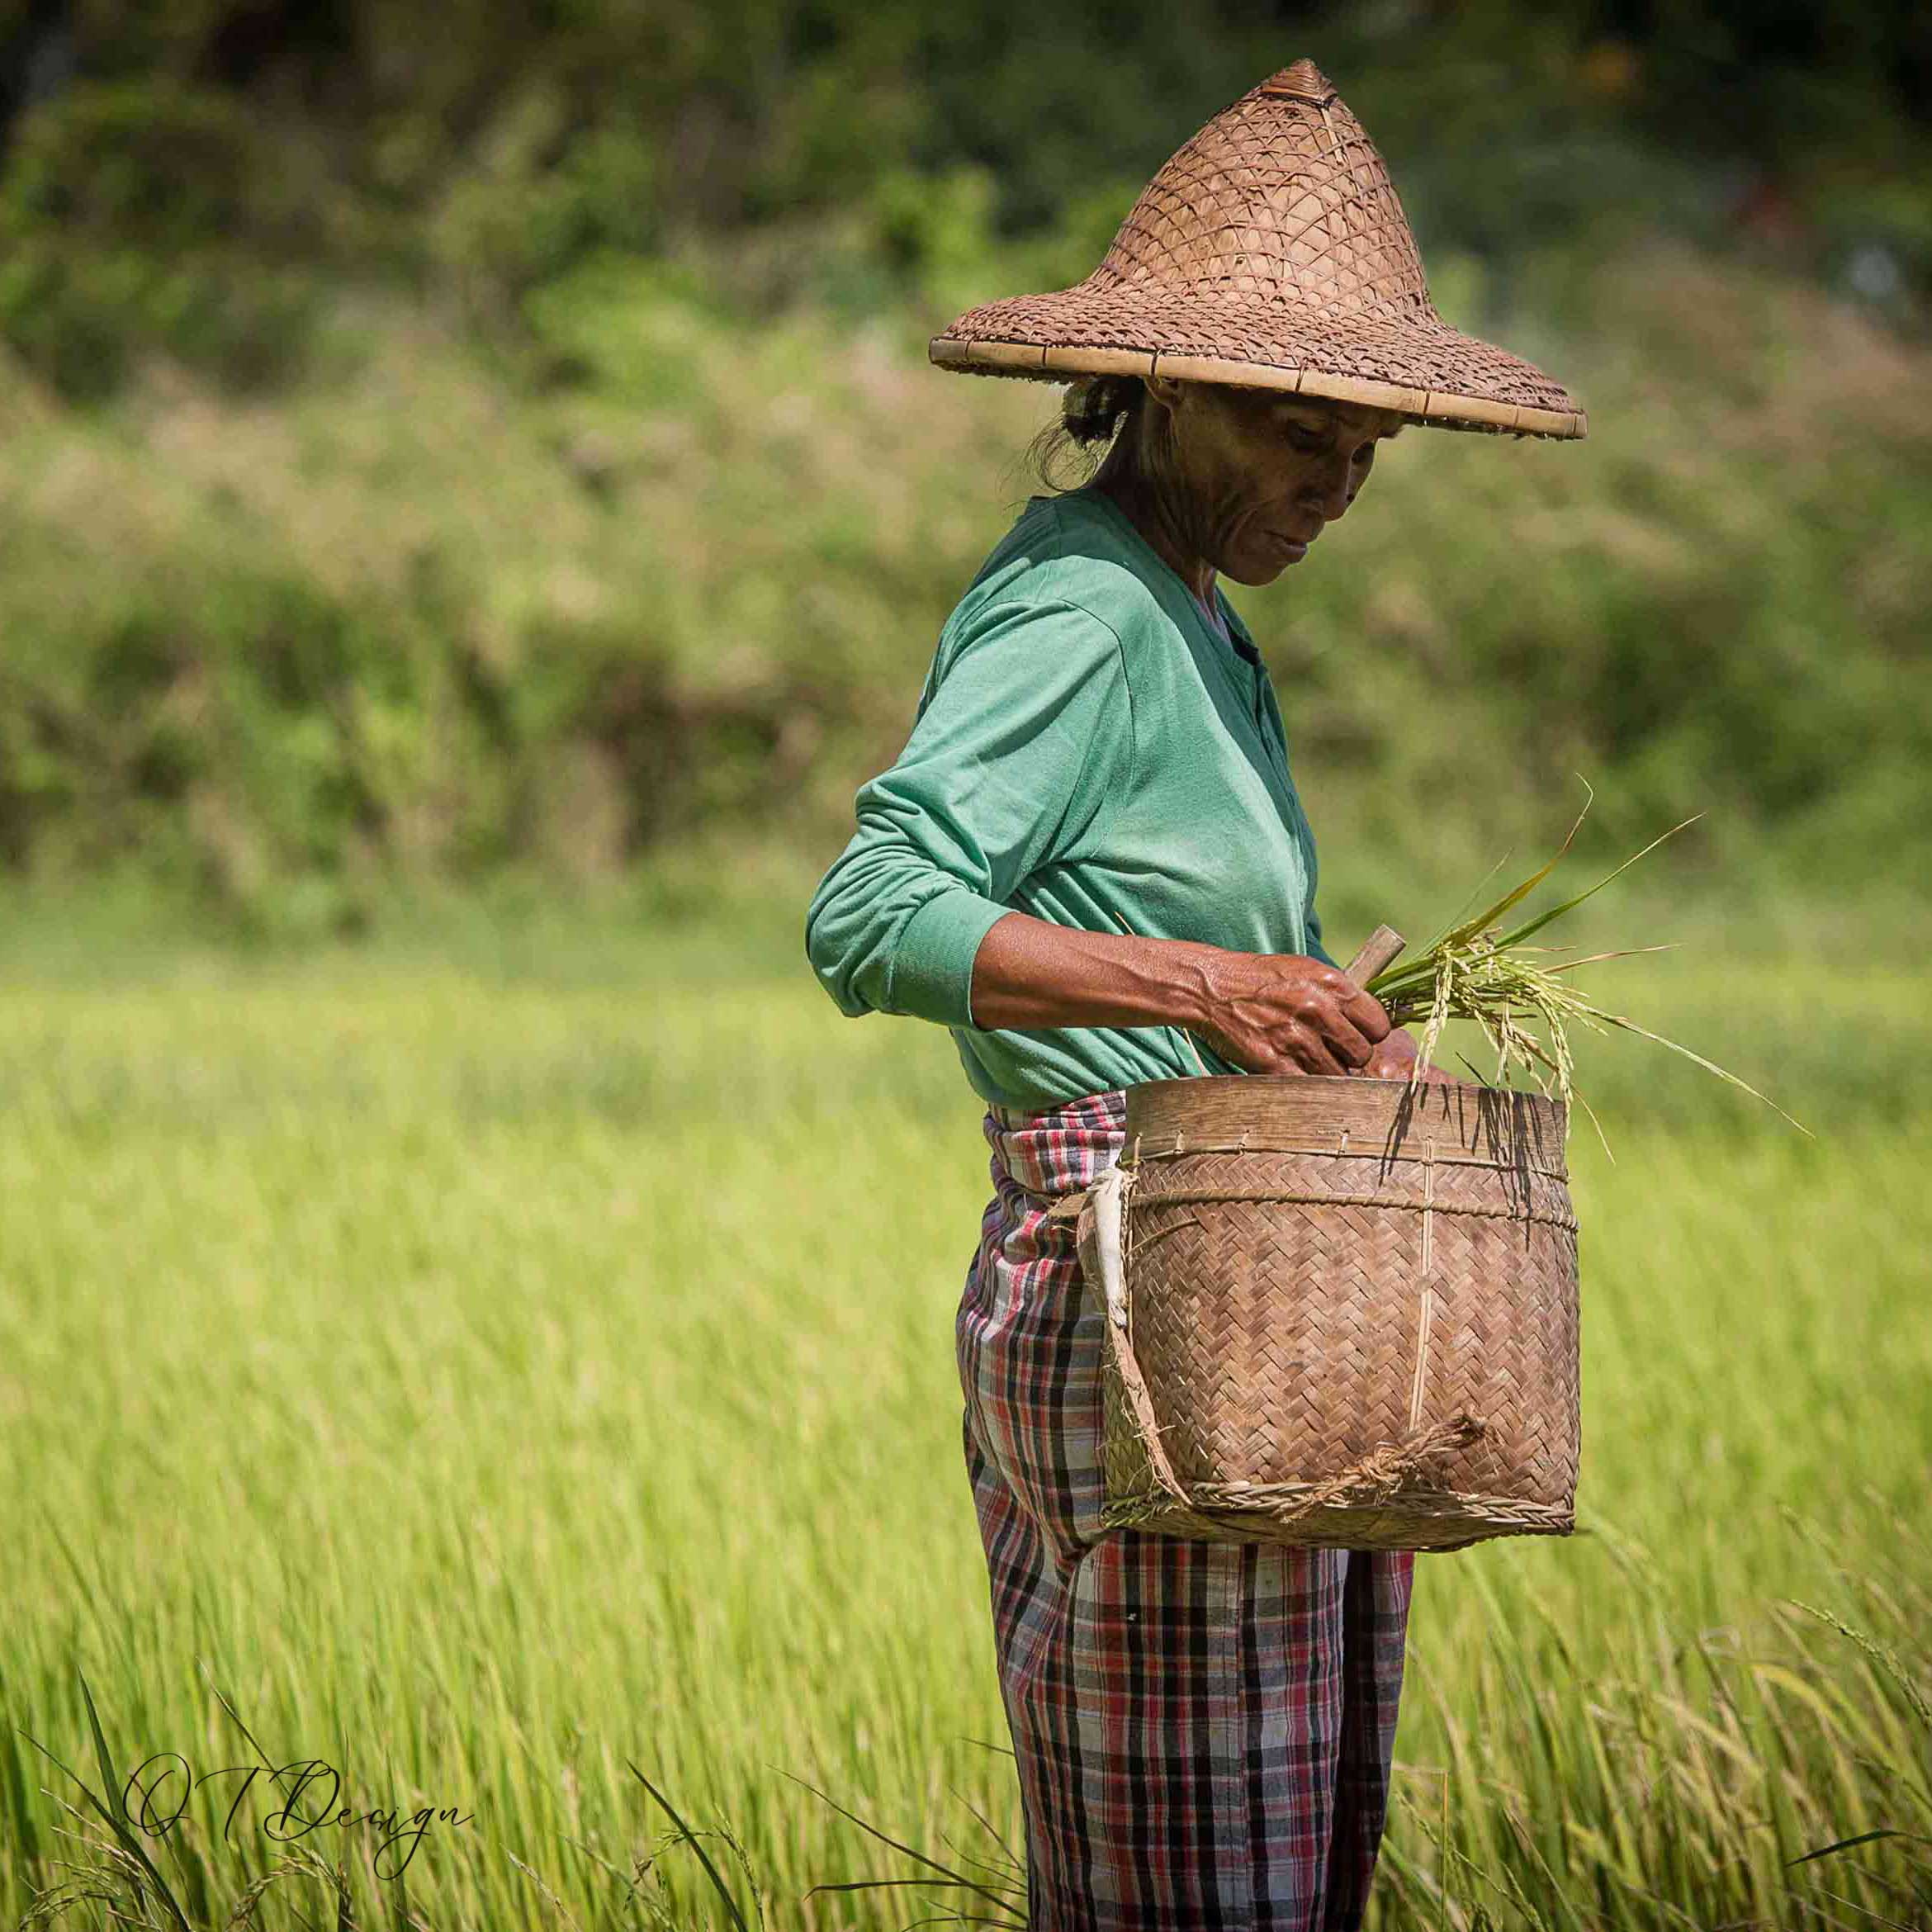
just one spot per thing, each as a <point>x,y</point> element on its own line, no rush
<point>474,506</point>
<point>442,445</point>
<point>476,1407</point>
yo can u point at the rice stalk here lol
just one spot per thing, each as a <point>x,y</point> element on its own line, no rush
<point>1514,991</point>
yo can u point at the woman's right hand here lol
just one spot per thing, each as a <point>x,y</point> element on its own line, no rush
<point>1286,1013</point>
<point>1266,1012</point>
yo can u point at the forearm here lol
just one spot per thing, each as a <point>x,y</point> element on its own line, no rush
<point>1030,974</point>
<point>1269,1013</point>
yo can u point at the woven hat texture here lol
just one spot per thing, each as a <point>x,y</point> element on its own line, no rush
<point>1269,252</point>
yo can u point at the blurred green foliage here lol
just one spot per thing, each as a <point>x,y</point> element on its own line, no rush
<point>828,148</point>
<point>140,216</point>
<point>446,442</point>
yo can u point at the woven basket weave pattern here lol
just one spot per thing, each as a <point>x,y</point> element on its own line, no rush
<point>1270,249</point>
<point>1281,1301</point>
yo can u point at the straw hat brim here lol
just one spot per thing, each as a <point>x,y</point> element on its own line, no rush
<point>1423,370</point>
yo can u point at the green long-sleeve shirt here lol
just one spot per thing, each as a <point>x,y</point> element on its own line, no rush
<point>1086,750</point>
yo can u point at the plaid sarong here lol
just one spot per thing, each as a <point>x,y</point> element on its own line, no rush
<point>1204,1730</point>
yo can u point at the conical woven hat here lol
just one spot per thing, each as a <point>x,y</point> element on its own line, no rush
<point>1270,252</point>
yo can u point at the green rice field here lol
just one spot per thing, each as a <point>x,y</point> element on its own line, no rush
<point>492,1378</point>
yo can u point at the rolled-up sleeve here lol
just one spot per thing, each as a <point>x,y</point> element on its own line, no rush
<point>1025,726</point>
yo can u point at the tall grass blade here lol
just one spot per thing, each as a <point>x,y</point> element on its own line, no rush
<point>1885,1658</point>
<point>1826,1851</point>
<point>1482,921</point>
<point>985,1823</point>
<point>113,1810</point>
<point>1709,1066</point>
<point>1531,927</point>
<point>13,1789</point>
<point>932,1864</point>
<point>690,1837</point>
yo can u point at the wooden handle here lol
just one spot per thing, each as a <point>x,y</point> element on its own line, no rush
<point>1378,950</point>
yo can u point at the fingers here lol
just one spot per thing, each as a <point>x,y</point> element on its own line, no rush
<point>1316,1055</point>
<point>1300,1049</point>
<point>1287,1013</point>
<point>1395,1057</point>
<point>1350,1021</point>
<point>1350,1025</point>
<point>1294,1049</point>
<point>1364,1011</point>
<point>1305,1048</point>
<point>1349,1045</point>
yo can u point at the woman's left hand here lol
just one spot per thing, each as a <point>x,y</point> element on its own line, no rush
<point>1394,1060</point>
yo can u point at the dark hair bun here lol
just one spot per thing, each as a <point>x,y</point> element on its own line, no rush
<point>1094,405</point>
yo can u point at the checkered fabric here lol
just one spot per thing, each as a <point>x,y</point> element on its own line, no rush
<point>1204,1730</point>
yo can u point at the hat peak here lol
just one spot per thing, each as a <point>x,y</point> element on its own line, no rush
<point>1282,198</point>
<point>1302,81</point>
<point>1269,250</point>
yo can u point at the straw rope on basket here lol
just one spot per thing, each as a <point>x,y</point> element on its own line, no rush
<point>1339,1312</point>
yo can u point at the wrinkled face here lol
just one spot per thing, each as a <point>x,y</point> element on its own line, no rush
<point>1256,475</point>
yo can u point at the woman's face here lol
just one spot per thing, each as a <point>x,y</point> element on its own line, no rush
<point>1257,475</point>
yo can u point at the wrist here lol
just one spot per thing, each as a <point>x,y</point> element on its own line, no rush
<point>1188,990</point>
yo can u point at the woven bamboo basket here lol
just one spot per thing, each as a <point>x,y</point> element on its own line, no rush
<point>1341,1313</point>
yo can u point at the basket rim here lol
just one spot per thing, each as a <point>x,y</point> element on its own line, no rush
<point>1446,1121</point>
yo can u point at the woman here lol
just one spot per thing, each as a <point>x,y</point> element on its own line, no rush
<point>1090,862</point>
